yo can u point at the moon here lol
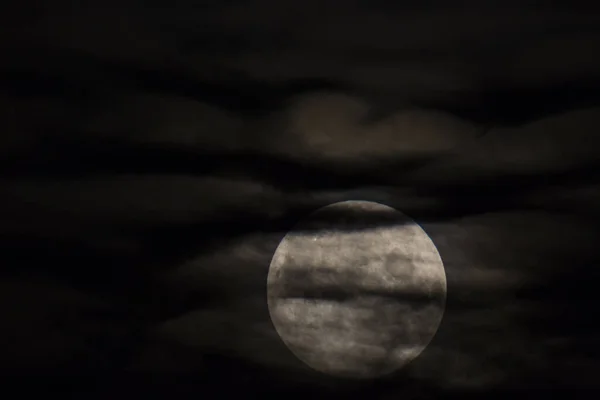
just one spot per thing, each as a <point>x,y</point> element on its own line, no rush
<point>356,290</point>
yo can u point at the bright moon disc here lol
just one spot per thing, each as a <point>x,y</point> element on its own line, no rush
<point>356,290</point>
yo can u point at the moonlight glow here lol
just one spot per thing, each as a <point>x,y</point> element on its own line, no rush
<point>356,290</point>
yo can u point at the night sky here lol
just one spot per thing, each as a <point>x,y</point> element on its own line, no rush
<point>153,155</point>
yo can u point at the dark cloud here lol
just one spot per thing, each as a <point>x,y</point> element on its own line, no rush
<point>153,156</point>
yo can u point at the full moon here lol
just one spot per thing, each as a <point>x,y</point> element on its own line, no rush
<point>356,290</point>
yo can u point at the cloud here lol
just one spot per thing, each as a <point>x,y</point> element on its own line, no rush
<point>128,133</point>
<point>147,118</point>
<point>554,144</point>
<point>333,127</point>
<point>126,199</point>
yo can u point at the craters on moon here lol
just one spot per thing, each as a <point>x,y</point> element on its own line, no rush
<point>357,290</point>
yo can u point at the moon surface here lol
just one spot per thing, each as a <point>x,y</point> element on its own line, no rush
<point>356,290</point>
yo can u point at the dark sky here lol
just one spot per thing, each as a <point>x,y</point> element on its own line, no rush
<point>153,154</point>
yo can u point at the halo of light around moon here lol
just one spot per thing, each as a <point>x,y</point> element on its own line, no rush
<point>356,290</point>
